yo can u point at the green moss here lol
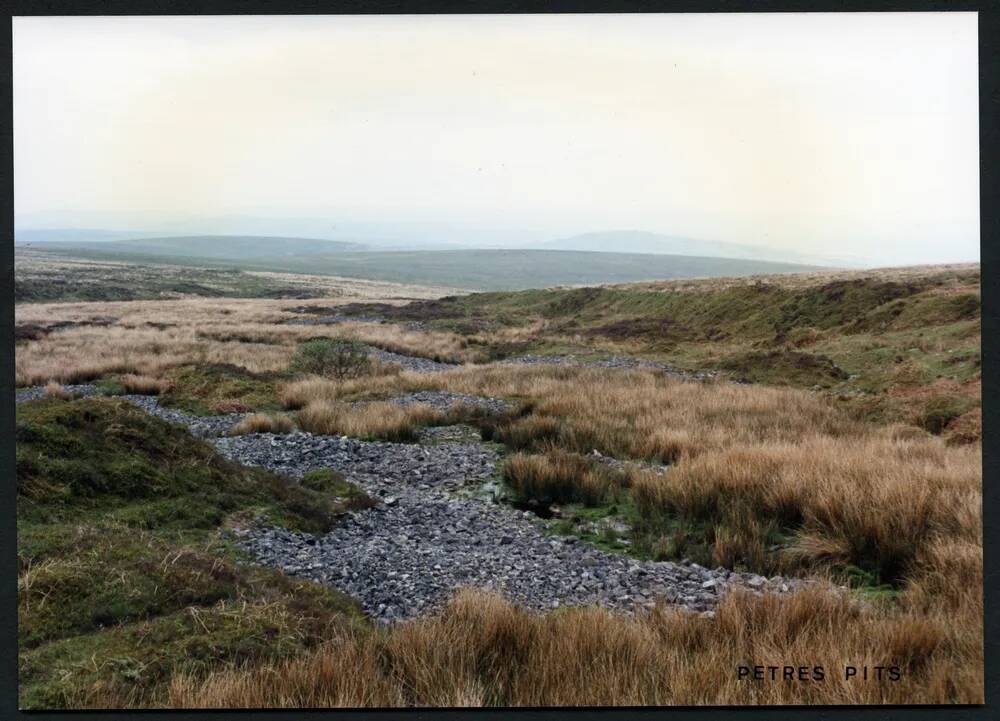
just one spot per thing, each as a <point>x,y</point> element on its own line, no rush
<point>221,388</point>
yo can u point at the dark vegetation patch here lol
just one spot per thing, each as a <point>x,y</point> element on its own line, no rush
<point>220,388</point>
<point>784,367</point>
<point>120,558</point>
<point>441,308</point>
<point>29,331</point>
<point>37,331</point>
<point>654,331</point>
<point>925,309</point>
<point>338,358</point>
<point>838,303</point>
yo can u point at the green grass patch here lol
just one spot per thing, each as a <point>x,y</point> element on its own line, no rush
<point>124,576</point>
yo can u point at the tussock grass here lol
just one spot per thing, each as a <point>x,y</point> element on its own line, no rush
<point>561,477</point>
<point>144,385</point>
<point>873,502</point>
<point>441,346</point>
<point>626,414</point>
<point>300,393</point>
<point>481,650</point>
<point>751,464</point>
<point>262,423</point>
<point>382,421</point>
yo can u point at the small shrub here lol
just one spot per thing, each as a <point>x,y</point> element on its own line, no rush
<point>144,385</point>
<point>54,389</point>
<point>260,423</point>
<point>336,357</point>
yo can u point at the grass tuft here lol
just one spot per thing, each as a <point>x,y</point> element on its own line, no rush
<point>380,421</point>
<point>261,423</point>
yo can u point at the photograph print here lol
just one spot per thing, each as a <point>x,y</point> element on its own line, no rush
<point>605,360</point>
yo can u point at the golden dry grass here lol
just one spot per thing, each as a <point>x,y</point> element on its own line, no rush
<point>262,423</point>
<point>626,414</point>
<point>748,459</point>
<point>560,477</point>
<point>481,650</point>
<point>875,501</point>
<point>144,385</point>
<point>149,337</point>
<point>384,421</point>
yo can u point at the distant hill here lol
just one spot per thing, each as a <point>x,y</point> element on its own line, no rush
<point>471,269</point>
<point>638,241</point>
<point>76,235</point>
<point>218,247</point>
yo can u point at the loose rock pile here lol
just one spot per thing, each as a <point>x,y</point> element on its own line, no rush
<point>410,363</point>
<point>36,392</point>
<point>446,400</point>
<point>421,542</point>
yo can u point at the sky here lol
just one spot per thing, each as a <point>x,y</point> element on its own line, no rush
<point>853,135</point>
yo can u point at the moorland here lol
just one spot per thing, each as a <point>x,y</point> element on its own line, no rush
<point>259,490</point>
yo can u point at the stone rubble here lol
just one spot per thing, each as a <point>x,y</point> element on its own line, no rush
<point>422,542</point>
<point>446,400</point>
<point>424,539</point>
<point>410,363</point>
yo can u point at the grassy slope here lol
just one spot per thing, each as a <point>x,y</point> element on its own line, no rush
<point>475,269</point>
<point>883,342</point>
<point>124,578</point>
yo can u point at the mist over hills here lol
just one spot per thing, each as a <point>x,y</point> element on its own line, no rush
<point>639,241</point>
<point>231,247</point>
<point>473,269</point>
<point>390,235</point>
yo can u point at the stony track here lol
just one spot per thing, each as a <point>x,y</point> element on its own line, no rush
<point>445,400</point>
<point>423,540</point>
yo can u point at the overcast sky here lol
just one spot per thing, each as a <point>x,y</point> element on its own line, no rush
<point>852,134</point>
